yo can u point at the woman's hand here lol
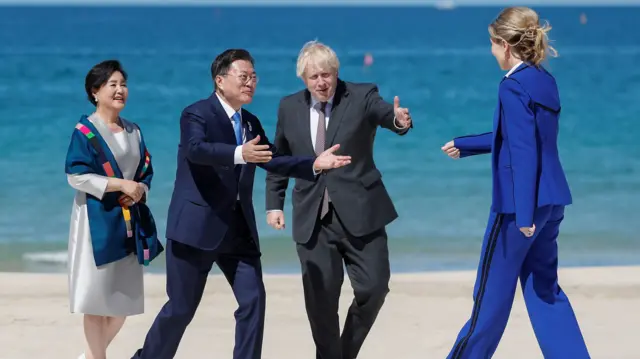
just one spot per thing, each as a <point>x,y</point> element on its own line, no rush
<point>528,231</point>
<point>451,150</point>
<point>125,200</point>
<point>132,189</point>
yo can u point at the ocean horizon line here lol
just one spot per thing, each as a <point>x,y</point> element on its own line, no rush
<point>439,4</point>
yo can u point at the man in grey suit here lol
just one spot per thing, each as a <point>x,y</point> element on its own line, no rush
<point>340,217</point>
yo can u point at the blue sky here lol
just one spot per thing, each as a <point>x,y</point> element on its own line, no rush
<point>328,2</point>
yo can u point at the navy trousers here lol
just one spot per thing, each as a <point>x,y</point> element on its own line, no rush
<point>507,255</point>
<point>187,270</point>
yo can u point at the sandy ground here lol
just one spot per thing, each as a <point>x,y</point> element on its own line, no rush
<point>420,318</point>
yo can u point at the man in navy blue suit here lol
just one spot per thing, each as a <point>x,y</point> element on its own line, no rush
<point>211,217</point>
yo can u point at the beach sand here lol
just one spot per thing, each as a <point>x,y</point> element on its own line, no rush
<point>420,319</point>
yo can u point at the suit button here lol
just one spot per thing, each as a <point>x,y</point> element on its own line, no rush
<point>324,173</point>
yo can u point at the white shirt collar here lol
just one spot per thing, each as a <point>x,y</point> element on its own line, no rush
<point>314,102</point>
<point>513,69</point>
<point>227,108</point>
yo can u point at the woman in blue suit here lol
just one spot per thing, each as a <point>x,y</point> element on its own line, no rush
<point>530,192</point>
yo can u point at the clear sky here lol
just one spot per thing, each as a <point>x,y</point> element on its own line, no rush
<point>327,2</point>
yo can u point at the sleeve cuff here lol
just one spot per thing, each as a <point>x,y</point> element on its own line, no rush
<point>237,156</point>
<point>395,123</point>
<point>525,224</point>
<point>402,130</point>
<point>93,184</point>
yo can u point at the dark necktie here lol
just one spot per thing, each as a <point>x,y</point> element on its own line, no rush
<point>319,148</point>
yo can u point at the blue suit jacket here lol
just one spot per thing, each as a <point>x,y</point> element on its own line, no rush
<point>527,173</point>
<point>206,188</point>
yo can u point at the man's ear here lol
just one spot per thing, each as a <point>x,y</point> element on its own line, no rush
<point>218,81</point>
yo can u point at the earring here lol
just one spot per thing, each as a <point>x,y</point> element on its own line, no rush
<point>95,98</point>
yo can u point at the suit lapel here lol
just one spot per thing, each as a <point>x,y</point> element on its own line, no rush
<point>220,115</point>
<point>498,111</point>
<point>338,109</point>
<point>303,113</point>
<point>247,127</point>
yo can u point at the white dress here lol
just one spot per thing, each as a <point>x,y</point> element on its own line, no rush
<point>114,289</point>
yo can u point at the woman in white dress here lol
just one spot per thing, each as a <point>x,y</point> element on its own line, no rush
<point>108,165</point>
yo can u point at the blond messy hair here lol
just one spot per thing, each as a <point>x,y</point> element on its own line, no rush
<point>315,53</point>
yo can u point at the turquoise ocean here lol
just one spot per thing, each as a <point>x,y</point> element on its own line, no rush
<point>437,61</point>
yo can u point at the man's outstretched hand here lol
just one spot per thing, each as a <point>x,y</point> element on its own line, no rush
<point>252,152</point>
<point>328,160</point>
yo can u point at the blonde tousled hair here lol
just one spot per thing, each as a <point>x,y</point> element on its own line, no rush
<point>520,28</point>
<point>317,54</point>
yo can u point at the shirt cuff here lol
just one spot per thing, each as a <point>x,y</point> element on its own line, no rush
<point>274,210</point>
<point>395,123</point>
<point>95,185</point>
<point>237,157</point>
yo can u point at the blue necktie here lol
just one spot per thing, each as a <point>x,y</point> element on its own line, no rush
<point>237,127</point>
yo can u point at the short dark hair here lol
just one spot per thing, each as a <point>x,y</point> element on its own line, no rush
<point>99,75</point>
<point>220,66</point>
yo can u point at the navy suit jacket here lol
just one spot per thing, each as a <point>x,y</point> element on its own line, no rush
<point>527,173</point>
<point>206,187</point>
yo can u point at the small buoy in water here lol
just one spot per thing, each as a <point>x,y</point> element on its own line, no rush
<point>368,59</point>
<point>583,18</point>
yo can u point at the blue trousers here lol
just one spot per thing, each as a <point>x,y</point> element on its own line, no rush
<point>187,271</point>
<point>507,255</point>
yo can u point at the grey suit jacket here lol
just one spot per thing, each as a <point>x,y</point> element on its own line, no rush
<point>358,195</point>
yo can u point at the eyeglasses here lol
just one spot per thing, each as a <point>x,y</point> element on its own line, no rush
<point>245,79</point>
